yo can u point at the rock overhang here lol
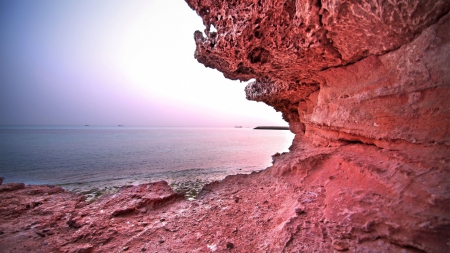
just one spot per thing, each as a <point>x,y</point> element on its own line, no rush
<point>290,48</point>
<point>290,40</point>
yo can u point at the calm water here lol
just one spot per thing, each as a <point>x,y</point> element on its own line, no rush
<point>118,155</point>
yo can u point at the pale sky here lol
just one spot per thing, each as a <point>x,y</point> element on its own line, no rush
<point>110,62</point>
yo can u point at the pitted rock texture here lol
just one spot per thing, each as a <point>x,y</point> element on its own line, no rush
<point>287,39</point>
<point>368,79</point>
<point>284,45</point>
<point>365,87</point>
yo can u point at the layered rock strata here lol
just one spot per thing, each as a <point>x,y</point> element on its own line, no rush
<point>368,77</point>
<point>286,45</point>
<point>364,86</point>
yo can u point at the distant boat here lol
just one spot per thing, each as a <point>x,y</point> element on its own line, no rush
<point>120,125</point>
<point>238,127</point>
<point>86,125</point>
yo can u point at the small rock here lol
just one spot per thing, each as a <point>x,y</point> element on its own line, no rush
<point>230,245</point>
<point>300,210</point>
<point>40,233</point>
<point>11,187</point>
<point>340,245</point>
<point>125,248</point>
<point>73,223</point>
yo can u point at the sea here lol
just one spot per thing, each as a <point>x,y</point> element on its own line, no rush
<point>105,156</point>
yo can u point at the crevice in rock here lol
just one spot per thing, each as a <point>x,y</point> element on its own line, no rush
<point>259,55</point>
<point>290,8</point>
<point>408,246</point>
<point>319,5</point>
<point>354,142</point>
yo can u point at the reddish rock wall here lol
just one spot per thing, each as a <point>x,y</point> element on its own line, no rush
<point>365,87</point>
<point>287,45</point>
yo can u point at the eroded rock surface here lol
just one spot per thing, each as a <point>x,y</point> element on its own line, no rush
<point>285,45</point>
<point>289,39</point>
<point>365,87</point>
<point>348,74</point>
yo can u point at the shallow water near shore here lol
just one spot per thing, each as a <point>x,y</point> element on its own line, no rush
<point>82,158</point>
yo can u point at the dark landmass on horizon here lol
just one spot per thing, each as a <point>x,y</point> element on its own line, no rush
<point>271,128</point>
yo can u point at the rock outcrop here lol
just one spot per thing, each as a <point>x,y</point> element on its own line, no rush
<point>364,86</point>
<point>287,45</point>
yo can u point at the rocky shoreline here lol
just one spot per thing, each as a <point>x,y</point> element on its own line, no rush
<point>325,199</point>
<point>365,88</point>
<point>190,188</point>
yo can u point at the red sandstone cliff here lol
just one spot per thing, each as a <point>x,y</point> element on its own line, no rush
<point>364,86</point>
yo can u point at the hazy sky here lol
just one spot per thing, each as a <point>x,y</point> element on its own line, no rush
<point>110,62</point>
